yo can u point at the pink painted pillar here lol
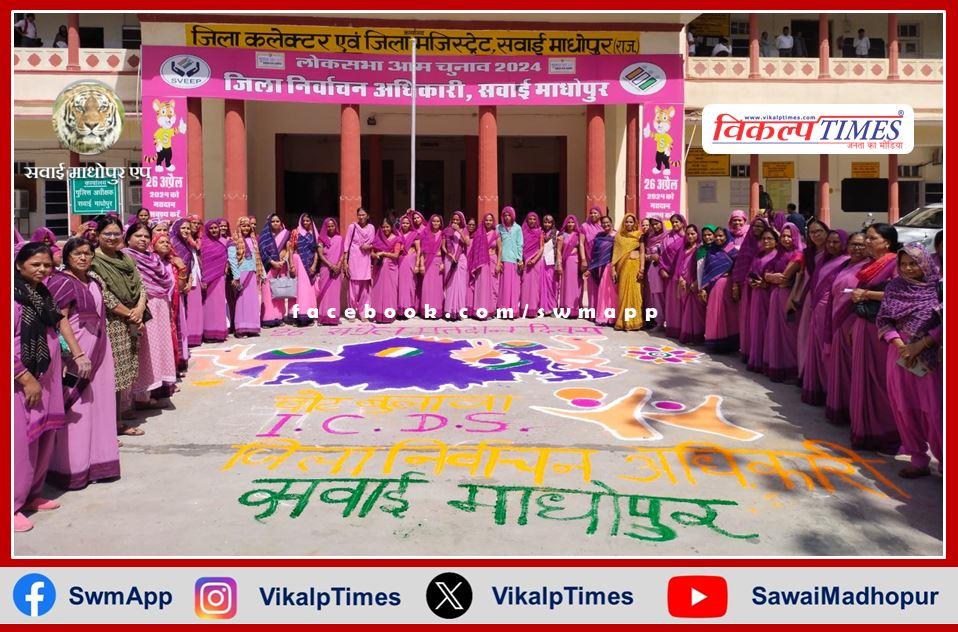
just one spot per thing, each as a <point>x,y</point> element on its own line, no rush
<point>753,49</point>
<point>893,46</point>
<point>196,202</point>
<point>823,46</point>
<point>631,157</point>
<point>595,194</point>
<point>824,193</point>
<point>488,201</point>
<point>753,196</point>
<point>350,184</point>
<point>73,42</point>
<point>235,186</point>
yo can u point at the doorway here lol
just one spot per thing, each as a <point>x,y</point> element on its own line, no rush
<point>535,192</point>
<point>909,194</point>
<point>315,193</point>
<point>805,36</point>
<point>430,187</point>
<point>808,197</point>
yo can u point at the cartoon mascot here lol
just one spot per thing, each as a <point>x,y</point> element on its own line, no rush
<point>662,138</point>
<point>163,136</point>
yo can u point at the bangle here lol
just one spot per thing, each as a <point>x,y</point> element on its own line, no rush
<point>78,355</point>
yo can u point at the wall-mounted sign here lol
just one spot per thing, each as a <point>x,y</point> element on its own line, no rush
<point>866,170</point>
<point>784,170</point>
<point>808,129</point>
<point>95,196</point>
<point>699,164</point>
<point>88,117</point>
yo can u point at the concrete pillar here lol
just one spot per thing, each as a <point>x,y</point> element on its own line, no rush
<point>753,186</point>
<point>893,210</point>
<point>472,178</point>
<point>824,190</point>
<point>196,200</point>
<point>73,42</point>
<point>376,177</point>
<point>823,46</point>
<point>753,47</point>
<point>893,46</point>
<point>350,185</point>
<point>595,194</point>
<point>235,191</point>
<point>488,200</point>
<point>631,158</point>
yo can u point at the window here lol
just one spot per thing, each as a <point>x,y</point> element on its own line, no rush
<point>909,40</point>
<point>91,37</point>
<point>740,171</point>
<point>55,207</point>
<point>134,190</point>
<point>934,193</point>
<point>865,195</point>
<point>909,171</point>
<point>20,167</point>
<point>738,27</point>
<point>131,36</point>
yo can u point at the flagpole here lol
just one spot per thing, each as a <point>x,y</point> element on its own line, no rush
<point>412,139</point>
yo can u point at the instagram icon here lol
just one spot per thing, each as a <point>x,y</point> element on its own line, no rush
<point>215,597</point>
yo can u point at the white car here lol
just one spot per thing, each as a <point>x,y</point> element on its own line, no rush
<point>922,225</point>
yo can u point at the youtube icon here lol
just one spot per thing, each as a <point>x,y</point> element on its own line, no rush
<point>698,596</point>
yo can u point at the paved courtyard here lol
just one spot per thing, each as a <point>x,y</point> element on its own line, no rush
<point>532,438</point>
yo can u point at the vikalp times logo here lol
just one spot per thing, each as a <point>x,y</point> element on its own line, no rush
<point>185,71</point>
<point>808,129</point>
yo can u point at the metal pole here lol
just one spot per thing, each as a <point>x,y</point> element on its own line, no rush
<point>412,139</point>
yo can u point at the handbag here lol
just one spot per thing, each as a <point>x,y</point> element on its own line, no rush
<point>867,310</point>
<point>282,287</point>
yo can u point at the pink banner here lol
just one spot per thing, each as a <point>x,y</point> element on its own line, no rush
<point>661,158</point>
<point>164,151</point>
<point>350,78</point>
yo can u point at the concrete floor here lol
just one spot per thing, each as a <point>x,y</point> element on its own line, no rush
<point>587,446</point>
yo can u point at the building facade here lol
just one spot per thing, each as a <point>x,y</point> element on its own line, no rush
<point>254,156</point>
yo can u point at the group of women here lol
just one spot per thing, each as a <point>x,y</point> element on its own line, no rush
<point>854,320</point>
<point>104,323</point>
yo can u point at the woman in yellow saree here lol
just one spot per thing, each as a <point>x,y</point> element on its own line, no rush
<point>628,268</point>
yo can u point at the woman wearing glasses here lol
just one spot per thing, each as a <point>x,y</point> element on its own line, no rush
<point>86,449</point>
<point>125,302</point>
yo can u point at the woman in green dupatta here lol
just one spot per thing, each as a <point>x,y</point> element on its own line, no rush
<point>125,302</point>
<point>628,268</point>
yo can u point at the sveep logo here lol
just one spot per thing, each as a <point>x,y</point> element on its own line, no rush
<point>34,595</point>
<point>185,72</point>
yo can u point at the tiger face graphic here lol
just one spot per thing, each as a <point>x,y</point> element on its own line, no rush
<point>88,117</point>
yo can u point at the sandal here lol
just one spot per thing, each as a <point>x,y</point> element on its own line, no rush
<point>41,504</point>
<point>129,431</point>
<point>126,415</point>
<point>21,523</point>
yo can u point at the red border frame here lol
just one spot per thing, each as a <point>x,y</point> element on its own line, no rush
<point>232,6</point>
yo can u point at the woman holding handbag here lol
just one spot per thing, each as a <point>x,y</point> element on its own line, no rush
<point>278,286</point>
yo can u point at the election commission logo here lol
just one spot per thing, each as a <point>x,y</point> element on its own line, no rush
<point>34,595</point>
<point>449,595</point>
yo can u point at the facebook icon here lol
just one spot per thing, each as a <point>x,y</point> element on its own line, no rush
<point>34,595</point>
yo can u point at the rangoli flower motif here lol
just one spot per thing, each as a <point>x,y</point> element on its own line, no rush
<point>663,355</point>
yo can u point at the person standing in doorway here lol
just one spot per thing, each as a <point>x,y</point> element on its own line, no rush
<point>784,43</point>
<point>861,44</point>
